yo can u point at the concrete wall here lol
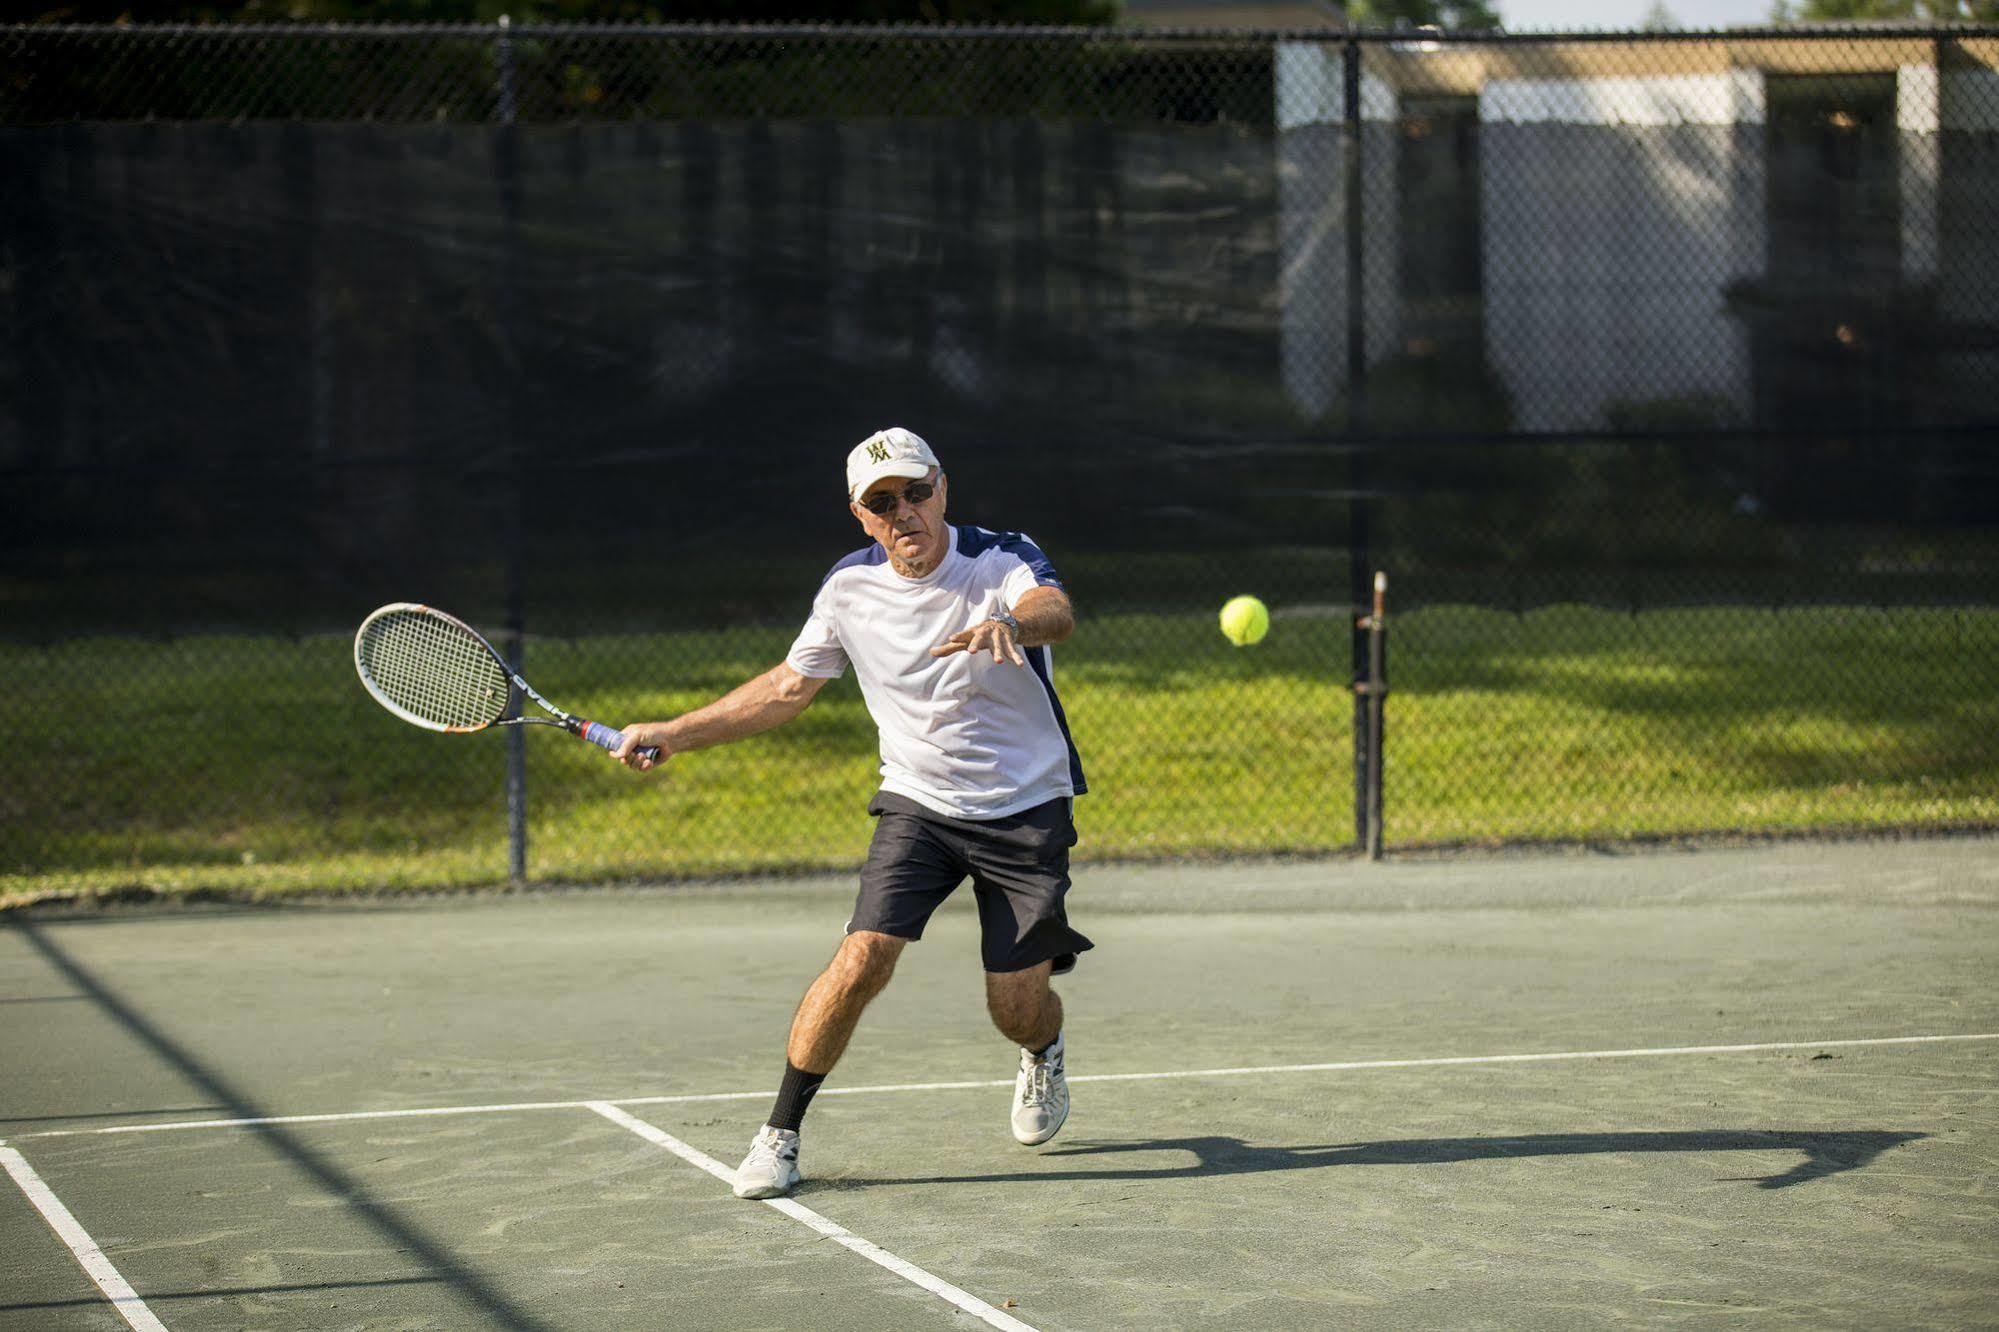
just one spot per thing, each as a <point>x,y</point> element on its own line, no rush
<point>1312,227</point>
<point>1615,213</point>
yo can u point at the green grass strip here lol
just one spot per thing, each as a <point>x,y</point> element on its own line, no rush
<point>256,766</point>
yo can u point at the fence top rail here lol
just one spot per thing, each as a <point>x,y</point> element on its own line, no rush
<point>1810,32</point>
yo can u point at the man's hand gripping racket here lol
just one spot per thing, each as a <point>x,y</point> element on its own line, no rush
<point>435,671</point>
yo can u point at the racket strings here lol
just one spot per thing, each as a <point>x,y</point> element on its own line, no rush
<point>434,670</point>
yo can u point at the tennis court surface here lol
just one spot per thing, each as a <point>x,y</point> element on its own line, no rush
<point>1506,1091</point>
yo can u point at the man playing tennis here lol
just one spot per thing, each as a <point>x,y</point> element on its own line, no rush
<point>948,631</point>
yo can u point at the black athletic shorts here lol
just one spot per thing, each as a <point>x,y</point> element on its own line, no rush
<point>1019,867</point>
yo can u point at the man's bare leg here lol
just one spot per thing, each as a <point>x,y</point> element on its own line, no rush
<point>1022,1006</point>
<point>833,1004</point>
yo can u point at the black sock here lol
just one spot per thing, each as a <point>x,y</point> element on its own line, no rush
<point>793,1096</point>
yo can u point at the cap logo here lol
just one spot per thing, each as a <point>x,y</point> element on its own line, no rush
<point>877,452</point>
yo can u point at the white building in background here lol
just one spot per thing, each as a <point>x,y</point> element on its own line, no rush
<point>1604,254</point>
<point>1621,191</point>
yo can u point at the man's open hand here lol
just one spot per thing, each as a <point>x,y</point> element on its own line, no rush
<point>985,636</point>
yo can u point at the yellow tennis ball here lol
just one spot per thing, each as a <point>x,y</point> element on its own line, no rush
<point>1245,620</point>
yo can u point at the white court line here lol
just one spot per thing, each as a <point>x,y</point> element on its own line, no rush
<point>91,1258</point>
<point>874,1253</point>
<point>1350,1066</point>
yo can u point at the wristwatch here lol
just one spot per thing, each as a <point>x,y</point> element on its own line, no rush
<point>1006,618</point>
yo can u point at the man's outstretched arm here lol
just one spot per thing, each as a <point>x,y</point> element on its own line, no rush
<point>755,706</point>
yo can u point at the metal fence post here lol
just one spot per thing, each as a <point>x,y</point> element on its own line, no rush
<point>1376,696</point>
<point>1358,554</point>
<point>507,168</point>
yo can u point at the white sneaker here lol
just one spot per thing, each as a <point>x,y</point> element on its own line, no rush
<point>1040,1096</point>
<point>771,1168</point>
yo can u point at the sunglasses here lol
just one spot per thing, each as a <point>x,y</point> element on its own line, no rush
<point>882,505</point>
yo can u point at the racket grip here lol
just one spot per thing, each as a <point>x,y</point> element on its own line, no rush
<point>608,737</point>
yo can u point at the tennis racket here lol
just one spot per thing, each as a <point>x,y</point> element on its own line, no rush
<point>436,671</point>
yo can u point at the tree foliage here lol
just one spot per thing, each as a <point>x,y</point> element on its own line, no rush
<point>1659,18</point>
<point>1460,15</point>
<point>1090,12</point>
<point>1893,11</point>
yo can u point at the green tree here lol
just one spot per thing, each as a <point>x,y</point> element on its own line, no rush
<point>594,11</point>
<point>1460,15</point>
<point>1895,11</point>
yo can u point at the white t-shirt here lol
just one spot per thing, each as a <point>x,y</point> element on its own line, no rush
<point>963,735</point>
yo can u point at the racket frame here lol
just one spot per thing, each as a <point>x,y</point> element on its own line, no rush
<point>518,693</point>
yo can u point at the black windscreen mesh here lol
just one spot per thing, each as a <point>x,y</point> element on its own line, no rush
<point>568,330</point>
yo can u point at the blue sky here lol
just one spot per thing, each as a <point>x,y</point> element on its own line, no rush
<point>1522,14</point>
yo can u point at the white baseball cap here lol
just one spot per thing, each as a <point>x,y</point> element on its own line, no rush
<point>890,452</point>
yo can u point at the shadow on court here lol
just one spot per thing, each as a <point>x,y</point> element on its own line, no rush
<point>1825,1154</point>
<point>113,1114</point>
<point>495,1309</point>
<point>160,1296</point>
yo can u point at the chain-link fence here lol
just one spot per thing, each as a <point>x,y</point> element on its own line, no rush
<point>1656,372</point>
